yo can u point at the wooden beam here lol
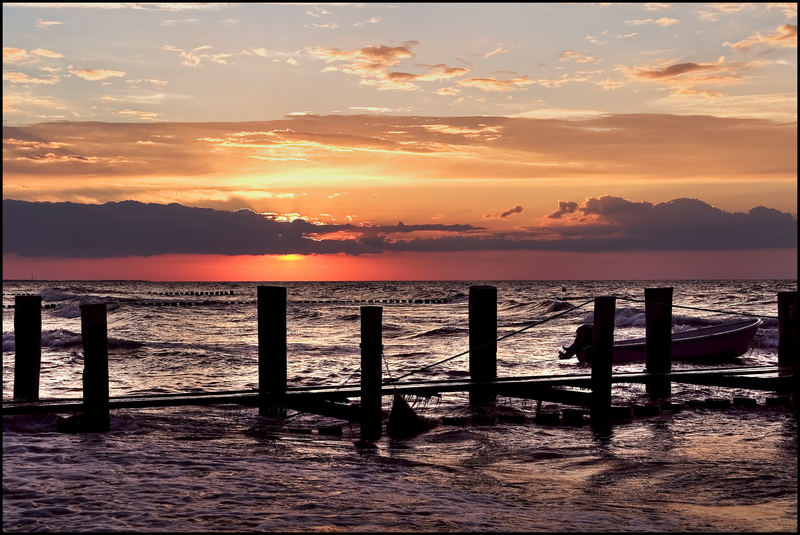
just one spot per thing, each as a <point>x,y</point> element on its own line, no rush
<point>767,378</point>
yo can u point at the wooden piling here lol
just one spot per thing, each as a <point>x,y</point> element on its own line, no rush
<point>94,332</point>
<point>788,345</point>
<point>482,339</point>
<point>658,344</point>
<point>27,346</point>
<point>271,349</point>
<point>602,348</point>
<point>371,375</point>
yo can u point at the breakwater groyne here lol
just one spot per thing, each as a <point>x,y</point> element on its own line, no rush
<point>588,395</point>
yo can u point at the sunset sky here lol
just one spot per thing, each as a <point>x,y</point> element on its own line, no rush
<point>313,141</point>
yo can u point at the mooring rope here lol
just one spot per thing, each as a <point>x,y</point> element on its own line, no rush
<point>386,362</point>
<point>348,379</point>
<point>534,324</point>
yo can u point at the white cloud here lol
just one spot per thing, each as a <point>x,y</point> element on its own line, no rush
<point>145,115</point>
<point>173,22</point>
<point>371,20</point>
<point>93,75</point>
<point>44,24</point>
<point>663,21</point>
<point>498,50</point>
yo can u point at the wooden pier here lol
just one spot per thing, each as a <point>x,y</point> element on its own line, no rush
<point>592,391</point>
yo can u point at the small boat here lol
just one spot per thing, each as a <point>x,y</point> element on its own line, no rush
<point>719,342</point>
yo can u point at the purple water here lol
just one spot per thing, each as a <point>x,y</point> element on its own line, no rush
<point>224,468</point>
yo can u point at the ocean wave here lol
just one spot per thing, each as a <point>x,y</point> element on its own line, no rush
<point>54,294</point>
<point>442,331</point>
<point>73,310</point>
<point>457,297</point>
<point>65,339</point>
<point>624,317</point>
<point>121,343</point>
<point>557,305</point>
<point>61,338</point>
<point>695,321</point>
<point>766,339</point>
<point>56,338</point>
<point>635,317</point>
<point>8,342</point>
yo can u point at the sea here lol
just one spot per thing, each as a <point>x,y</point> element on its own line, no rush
<point>225,468</point>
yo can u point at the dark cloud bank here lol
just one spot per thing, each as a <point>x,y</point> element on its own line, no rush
<point>130,228</point>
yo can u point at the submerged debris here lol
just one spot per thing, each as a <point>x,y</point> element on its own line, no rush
<point>404,422</point>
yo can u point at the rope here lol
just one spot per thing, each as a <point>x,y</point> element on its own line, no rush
<point>348,379</point>
<point>299,412</point>
<point>388,372</point>
<point>534,324</point>
<point>698,308</point>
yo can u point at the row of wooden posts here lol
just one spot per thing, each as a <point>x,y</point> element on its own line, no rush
<point>272,351</point>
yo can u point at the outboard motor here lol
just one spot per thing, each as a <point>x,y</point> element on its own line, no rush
<point>583,339</point>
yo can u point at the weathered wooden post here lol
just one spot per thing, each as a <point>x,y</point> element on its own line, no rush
<point>788,343</point>
<point>482,339</point>
<point>602,349</point>
<point>27,346</point>
<point>271,349</point>
<point>371,375</point>
<point>658,344</point>
<point>94,332</point>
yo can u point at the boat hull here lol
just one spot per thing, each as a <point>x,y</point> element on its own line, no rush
<point>720,342</point>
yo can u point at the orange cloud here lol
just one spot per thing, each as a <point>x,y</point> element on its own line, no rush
<point>372,63</point>
<point>683,78</point>
<point>14,55</point>
<point>148,115</point>
<point>786,35</point>
<point>447,91</point>
<point>32,145</point>
<point>44,53</point>
<point>483,131</point>
<point>674,70</point>
<point>187,58</point>
<point>631,146</point>
<point>654,6</point>
<point>23,79</point>
<point>608,84</point>
<point>663,21</point>
<point>220,58</point>
<point>14,103</point>
<point>386,82</point>
<point>367,59</point>
<point>94,75</point>
<point>19,55</point>
<point>52,157</point>
<point>440,72</point>
<point>789,8</point>
<point>494,84</point>
<point>498,50</point>
<point>505,214</point>
<point>577,57</point>
<point>713,10</point>
<point>153,81</point>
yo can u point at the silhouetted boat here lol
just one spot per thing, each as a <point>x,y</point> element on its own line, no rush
<point>720,342</point>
